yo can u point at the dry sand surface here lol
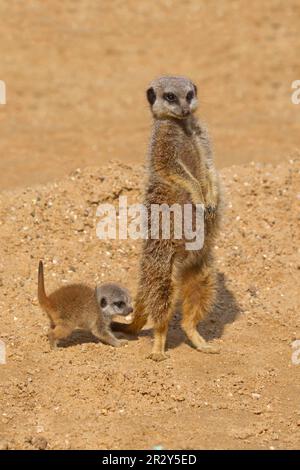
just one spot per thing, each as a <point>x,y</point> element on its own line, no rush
<point>88,395</point>
<point>76,74</point>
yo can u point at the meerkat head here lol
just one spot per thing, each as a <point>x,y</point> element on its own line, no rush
<point>174,97</point>
<point>114,300</point>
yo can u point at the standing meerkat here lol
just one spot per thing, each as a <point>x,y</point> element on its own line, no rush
<point>180,170</point>
<point>80,306</point>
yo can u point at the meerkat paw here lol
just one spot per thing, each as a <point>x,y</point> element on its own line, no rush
<point>158,356</point>
<point>52,341</point>
<point>210,211</point>
<point>209,348</point>
<point>121,342</point>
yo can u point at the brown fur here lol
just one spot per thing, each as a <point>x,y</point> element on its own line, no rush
<point>76,306</point>
<point>181,171</point>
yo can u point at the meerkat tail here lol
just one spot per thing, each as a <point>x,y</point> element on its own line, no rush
<point>43,299</point>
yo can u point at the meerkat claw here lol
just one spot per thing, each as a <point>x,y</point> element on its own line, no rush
<point>158,357</point>
<point>210,211</point>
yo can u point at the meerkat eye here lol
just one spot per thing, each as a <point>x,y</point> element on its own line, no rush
<point>171,97</point>
<point>103,302</point>
<point>120,304</point>
<point>190,96</point>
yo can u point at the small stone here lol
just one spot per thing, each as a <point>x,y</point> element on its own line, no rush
<point>256,396</point>
<point>252,291</point>
<point>242,434</point>
<point>40,443</point>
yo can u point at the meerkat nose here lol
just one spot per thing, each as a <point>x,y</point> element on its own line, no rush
<point>185,112</point>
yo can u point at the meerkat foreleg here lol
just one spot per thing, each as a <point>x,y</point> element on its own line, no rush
<point>210,176</point>
<point>211,198</point>
<point>198,294</point>
<point>177,173</point>
<point>107,337</point>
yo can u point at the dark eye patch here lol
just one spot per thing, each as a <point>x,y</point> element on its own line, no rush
<point>190,95</point>
<point>170,97</point>
<point>151,96</point>
<point>103,302</point>
<point>120,304</point>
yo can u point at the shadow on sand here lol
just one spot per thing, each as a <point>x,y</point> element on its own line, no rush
<point>225,311</point>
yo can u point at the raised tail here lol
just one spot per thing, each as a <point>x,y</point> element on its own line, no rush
<point>43,299</point>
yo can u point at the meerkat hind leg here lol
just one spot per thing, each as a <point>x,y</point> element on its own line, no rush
<point>158,353</point>
<point>198,292</point>
<point>197,340</point>
<point>57,333</point>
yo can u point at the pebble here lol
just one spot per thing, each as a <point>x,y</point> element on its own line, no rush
<point>39,443</point>
<point>255,395</point>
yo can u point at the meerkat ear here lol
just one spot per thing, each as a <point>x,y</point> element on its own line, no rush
<point>195,88</point>
<point>151,96</point>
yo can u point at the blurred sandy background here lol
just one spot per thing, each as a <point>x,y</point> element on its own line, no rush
<point>76,74</point>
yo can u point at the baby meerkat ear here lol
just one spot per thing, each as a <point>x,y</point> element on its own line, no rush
<point>151,96</point>
<point>100,298</point>
<point>195,88</point>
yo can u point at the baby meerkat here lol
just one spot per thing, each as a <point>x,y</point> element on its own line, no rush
<point>79,306</point>
<point>180,171</point>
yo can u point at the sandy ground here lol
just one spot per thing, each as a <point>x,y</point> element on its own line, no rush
<point>88,395</point>
<point>76,74</point>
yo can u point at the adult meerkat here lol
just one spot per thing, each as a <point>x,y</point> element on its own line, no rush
<point>80,306</point>
<point>180,170</point>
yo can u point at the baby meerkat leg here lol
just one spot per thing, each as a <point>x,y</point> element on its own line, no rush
<point>57,333</point>
<point>198,294</point>
<point>107,337</point>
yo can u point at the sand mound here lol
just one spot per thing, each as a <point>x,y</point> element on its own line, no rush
<point>89,395</point>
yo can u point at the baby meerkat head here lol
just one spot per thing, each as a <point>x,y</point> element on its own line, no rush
<point>114,300</point>
<point>174,97</point>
